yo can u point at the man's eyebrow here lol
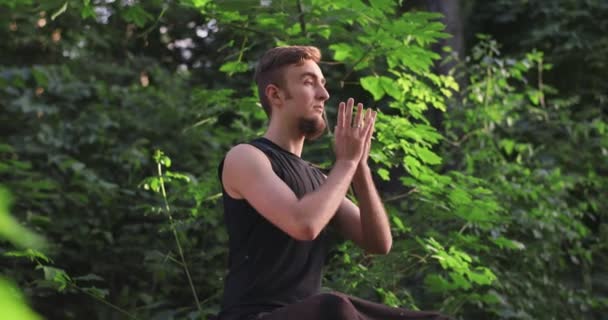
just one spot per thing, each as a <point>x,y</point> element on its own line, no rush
<point>310,74</point>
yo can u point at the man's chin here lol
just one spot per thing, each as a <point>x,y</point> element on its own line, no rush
<point>315,136</point>
<point>312,129</point>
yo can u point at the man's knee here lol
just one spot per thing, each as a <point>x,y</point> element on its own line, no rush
<point>336,306</point>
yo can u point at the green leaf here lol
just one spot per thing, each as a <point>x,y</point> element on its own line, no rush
<point>324,32</point>
<point>177,175</point>
<point>347,53</point>
<point>166,161</point>
<point>294,30</point>
<point>388,297</point>
<point>342,51</point>
<point>155,184</point>
<point>437,283</point>
<point>233,67</point>
<point>391,87</point>
<point>96,292</point>
<point>507,145</point>
<point>12,230</point>
<point>398,223</point>
<point>60,11</point>
<point>57,276</point>
<point>427,155</point>
<point>482,276</point>
<point>383,5</point>
<point>503,242</point>
<point>137,15</point>
<point>40,77</point>
<point>460,281</point>
<point>231,16</point>
<point>199,4</point>
<point>384,174</point>
<point>378,86</point>
<point>373,85</point>
<point>412,165</point>
<point>32,254</point>
<point>12,303</point>
<point>89,277</point>
<point>87,11</point>
<point>460,197</point>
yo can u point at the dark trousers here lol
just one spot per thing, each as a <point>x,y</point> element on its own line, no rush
<point>339,306</point>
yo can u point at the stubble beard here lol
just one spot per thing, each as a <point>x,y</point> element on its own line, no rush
<point>311,128</point>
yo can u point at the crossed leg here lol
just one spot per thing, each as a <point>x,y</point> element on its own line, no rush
<point>339,306</point>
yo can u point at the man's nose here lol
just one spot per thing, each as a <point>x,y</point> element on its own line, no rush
<point>322,94</point>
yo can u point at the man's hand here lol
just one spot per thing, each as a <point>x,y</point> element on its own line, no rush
<point>366,224</point>
<point>353,138</point>
<point>370,118</point>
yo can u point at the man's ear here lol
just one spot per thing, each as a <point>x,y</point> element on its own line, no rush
<point>274,95</point>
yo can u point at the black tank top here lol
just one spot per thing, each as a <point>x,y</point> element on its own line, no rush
<point>269,269</point>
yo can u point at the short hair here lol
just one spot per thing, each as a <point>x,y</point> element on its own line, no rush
<point>271,67</point>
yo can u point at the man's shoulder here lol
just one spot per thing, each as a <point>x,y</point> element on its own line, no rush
<point>245,157</point>
<point>243,151</point>
<point>242,164</point>
<point>246,146</point>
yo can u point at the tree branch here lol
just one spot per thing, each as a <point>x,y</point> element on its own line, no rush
<point>400,196</point>
<point>302,21</point>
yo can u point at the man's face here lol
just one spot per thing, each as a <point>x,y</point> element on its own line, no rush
<point>305,98</point>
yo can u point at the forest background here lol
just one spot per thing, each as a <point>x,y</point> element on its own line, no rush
<point>491,151</point>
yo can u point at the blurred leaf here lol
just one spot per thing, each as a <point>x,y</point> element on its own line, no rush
<point>12,303</point>
<point>12,230</point>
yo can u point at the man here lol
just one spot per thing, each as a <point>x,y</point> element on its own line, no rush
<point>277,206</point>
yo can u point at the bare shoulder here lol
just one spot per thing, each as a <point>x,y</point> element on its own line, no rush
<point>245,151</point>
<point>241,164</point>
<point>248,175</point>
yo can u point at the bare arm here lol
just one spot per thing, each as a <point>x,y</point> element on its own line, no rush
<point>376,231</point>
<point>248,175</point>
<point>366,225</point>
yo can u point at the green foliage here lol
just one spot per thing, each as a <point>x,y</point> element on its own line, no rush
<point>12,305</point>
<point>511,133</point>
<point>12,230</point>
<point>500,216</point>
<point>458,265</point>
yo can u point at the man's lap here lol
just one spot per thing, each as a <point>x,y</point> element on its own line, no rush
<point>339,306</point>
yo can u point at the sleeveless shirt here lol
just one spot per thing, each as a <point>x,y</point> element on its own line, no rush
<point>268,269</point>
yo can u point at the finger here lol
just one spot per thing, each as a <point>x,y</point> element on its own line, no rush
<point>340,122</point>
<point>367,117</point>
<point>349,112</point>
<point>357,123</point>
<point>371,131</point>
<point>369,126</point>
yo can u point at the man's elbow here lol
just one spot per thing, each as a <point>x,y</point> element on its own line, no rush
<point>386,248</point>
<point>381,249</point>
<point>306,232</point>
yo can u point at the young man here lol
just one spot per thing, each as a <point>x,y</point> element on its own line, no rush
<point>277,206</point>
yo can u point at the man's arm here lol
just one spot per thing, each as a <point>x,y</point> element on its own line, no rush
<point>374,220</point>
<point>366,225</point>
<point>248,175</point>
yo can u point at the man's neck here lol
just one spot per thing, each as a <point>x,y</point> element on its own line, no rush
<point>285,137</point>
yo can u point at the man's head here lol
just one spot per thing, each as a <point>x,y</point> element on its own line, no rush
<point>291,83</point>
